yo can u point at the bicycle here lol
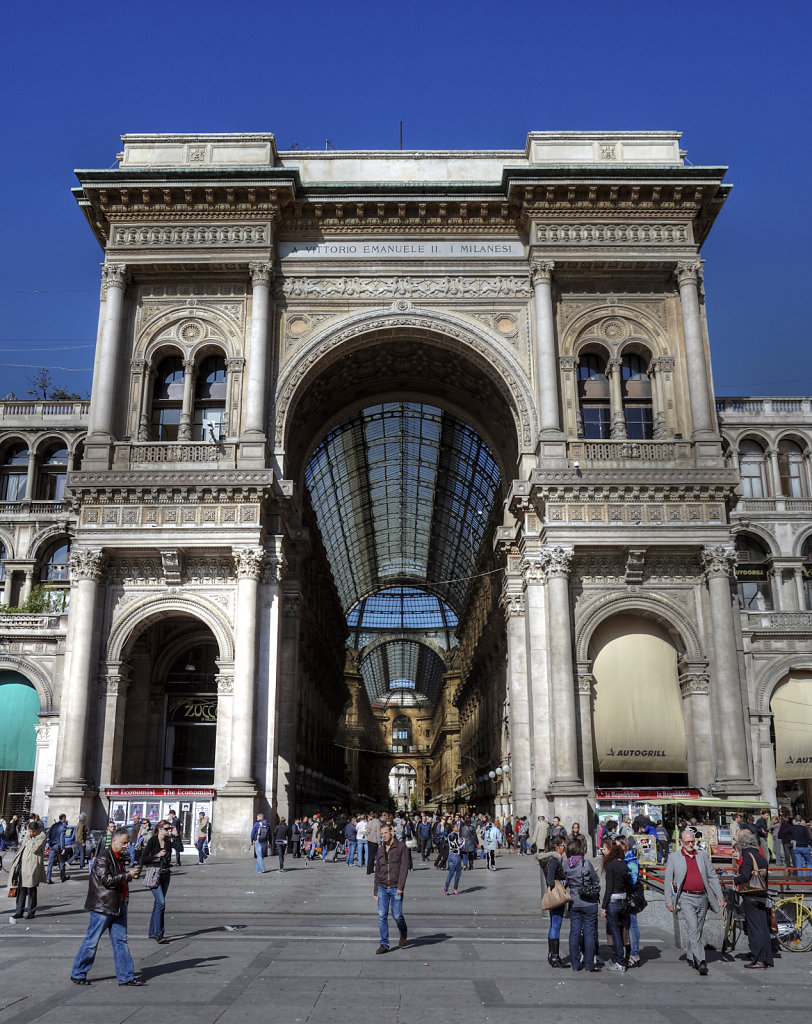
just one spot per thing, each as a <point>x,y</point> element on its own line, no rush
<point>734,920</point>
<point>794,923</point>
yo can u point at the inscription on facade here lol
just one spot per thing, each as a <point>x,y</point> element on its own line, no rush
<point>355,250</point>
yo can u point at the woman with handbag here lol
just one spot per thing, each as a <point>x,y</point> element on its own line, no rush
<point>752,882</point>
<point>555,898</point>
<point>27,870</point>
<point>584,886</point>
<point>156,860</point>
<point>454,844</point>
<point>615,906</point>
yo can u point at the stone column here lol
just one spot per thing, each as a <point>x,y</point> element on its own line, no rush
<point>248,564</point>
<point>512,600</point>
<point>28,585</point>
<point>30,479</point>
<point>798,573</point>
<point>659,430</point>
<point>185,425</point>
<point>258,384</point>
<point>774,473</point>
<point>733,771</point>
<point>694,688</point>
<point>113,692</point>
<point>541,272</point>
<point>586,688</point>
<point>147,385</point>
<point>566,776</point>
<point>703,421</point>
<point>7,585</point>
<point>614,371</point>
<point>86,569</point>
<point>102,405</point>
<point>768,784</point>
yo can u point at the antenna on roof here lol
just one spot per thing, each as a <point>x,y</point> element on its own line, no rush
<point>328,144</point>
<point>401,133</point>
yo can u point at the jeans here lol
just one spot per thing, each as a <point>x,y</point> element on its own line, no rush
<point>281,846</point>
<point>388,898</point>
<point>98,924</point>
<point>616,917</point>
<point>372,851</point>
<point>156,921</point>
<point>556,917</point>
<point>261,850</point>
<point>634,936</point>
<point>78,851</point>
<point>363,851</point>
<point>200,844</point>
<point>55,855</point>
<point>803,858</point>
<point>583,933</point>
<point>26,901</point>
<point>131,853</point>
<point>352,847</point>
<point>454,871</point>
<point>424,845</point>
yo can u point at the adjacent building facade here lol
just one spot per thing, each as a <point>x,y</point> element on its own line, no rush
<point>403,466</point>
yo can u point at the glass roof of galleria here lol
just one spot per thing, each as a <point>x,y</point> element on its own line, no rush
<point>402,493</point>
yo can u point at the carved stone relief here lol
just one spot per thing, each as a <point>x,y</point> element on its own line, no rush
<point>448,286</point>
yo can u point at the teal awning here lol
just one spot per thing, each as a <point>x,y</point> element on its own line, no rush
<point>19,708</point>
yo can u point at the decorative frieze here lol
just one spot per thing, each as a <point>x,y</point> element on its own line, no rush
<point>172,566</point>
<point>406,287</point>
<point>187,516</point>
<point>230,235</point>
<point>651,513</point>
<point>617,233</point>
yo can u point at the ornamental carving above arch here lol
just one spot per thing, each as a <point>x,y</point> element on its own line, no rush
<point>442,330</point>
<point>774,676</point>
<point>135,618</point>
<point>648,605</point>
<point>189,329</point>
<point>614,325</point>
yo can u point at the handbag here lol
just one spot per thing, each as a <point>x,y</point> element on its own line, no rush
<point>411,844</point>
<point>14,883</point>
<point>555,897</point>
<point>152,877</point>
<point>636,899</point>
<point>757,883</point>
<point>588,889</point>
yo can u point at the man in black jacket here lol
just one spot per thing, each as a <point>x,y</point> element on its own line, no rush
<point>107,902</point>
<point>56,845</point>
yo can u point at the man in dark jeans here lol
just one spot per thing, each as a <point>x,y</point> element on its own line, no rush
<point>424,836</point>
<point>56,842</point>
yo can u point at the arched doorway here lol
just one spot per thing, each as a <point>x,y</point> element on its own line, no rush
<point>638,725</point>
<point>791,707</point>
<point>19,710</point>
<point>402,783</point>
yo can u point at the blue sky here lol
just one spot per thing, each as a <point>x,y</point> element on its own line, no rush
<point>733,77</point>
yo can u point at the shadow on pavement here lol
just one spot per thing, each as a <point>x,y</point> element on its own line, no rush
<point>428,940</point>
<point>148,973</point>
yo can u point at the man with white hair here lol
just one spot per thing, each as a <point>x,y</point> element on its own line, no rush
<point>691,885</point>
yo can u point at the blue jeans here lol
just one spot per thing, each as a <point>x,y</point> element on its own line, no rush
<point>388,898</point>
<point>352,846</point>
<point>616,916</point>
<point>55,855</point>
<point>78,851</point>
<point>98,924</point>
<point>261,850</point>
<point>363,852</point>
<point>634,936</point>
<point>556,917</point>
<point>803,858</point>
<point>583,931</point>
<point>454,871</point>
<point>156,921</point>
<point>280,850</point>
<point>201,856</point>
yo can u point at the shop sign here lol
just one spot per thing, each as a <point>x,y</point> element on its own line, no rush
<point>652,796</point>
<point>136,792</point>
<point>192,711</point>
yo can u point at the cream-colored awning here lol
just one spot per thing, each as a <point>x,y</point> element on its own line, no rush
<point>638,722</point>
<point>792,717</point>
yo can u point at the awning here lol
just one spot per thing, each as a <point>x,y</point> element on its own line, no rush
<point>792,718</point>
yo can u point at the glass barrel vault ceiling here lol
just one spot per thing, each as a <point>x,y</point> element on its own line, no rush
<point>402,493</point>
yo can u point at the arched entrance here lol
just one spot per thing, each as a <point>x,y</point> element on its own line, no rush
<point>402,783</point>
<point>19,710</point>
<point>791,707</point>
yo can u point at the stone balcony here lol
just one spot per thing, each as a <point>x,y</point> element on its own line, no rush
<point>47,624</point>
<point>19,413</point>
<point>769,506</point>
<point>174,454</point>
<point>778,410</point>
<point>19,509</point>
<point>606,454</point>
<point>778,622</point>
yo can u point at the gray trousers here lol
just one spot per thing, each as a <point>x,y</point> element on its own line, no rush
<point>694,909</point>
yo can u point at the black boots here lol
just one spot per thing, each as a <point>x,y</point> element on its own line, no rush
<point>553,959</point>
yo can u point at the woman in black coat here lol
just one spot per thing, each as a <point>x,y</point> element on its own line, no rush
<point>752,882</point>
<point>157,851</point>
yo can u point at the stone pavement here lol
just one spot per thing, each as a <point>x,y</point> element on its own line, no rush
<point>303,950</point>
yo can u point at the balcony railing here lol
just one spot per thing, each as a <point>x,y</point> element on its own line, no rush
<point>38,508</point>
<point>788,622</point>
<point>659,452</point>
<point>25,622</point>
<point>776,504</point>
<point>143,454</point>
<point>763,407</point>
<point>12,409</point>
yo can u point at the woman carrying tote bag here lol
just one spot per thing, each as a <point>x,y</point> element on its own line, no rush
<point>555,897</point>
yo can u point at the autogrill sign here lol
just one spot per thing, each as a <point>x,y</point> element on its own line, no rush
<point>635,753</point>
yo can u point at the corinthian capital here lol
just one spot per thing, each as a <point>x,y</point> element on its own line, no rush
<point>688,271</point>
<point>541,271</point>
<point>261,273</point>
<point>719,560</point>
<point>248,562</point>
<point>114,275</point>
<point>87,564</point>
<point>557,561</point>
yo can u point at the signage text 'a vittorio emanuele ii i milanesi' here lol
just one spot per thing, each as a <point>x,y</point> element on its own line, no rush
<point>360,249</point>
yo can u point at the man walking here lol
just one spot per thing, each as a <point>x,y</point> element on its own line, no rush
<point>202,837</point>
<point>281,836</point>
<point>691,885</point>
<point>56,843</point>
<point>373,841</point>
<point>259,840</point>
<point>79,840</point>
<point>424,836</point>
<point>391,872</point>
<point>107,902</point>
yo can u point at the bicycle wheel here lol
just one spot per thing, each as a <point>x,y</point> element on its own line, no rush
<point>798,937</point>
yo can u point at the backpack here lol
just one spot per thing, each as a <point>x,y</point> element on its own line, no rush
<point>262,831</point>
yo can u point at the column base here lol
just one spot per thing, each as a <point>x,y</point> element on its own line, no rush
<point>232,816</point>
<point>253,451</point>
<point>551,450</point>
<point>736,787</point>
<point>72,797</point>
<point>98,453</point>
<point>570,801</point>
<point>707,449</point>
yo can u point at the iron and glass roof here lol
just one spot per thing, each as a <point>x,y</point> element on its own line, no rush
<point>389,667</point>
<point>402,492</point>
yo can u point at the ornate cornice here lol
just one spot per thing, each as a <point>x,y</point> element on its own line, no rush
<point>87,564</point>
<point>719,560</point>
<point>248,562</point>
<point>261,274</point>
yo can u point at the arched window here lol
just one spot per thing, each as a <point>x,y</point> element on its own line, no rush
<point>636,393</point>
<point>53,470</point>
<point>401,734</point>
<point>210,400</point>
<point>14,469</point>
<point>753,575</point>
<point>792,470</point>
<point>593,396</point>
<point>753,469</point>
<point>167,400</point>
<point>806,570</point>
<point>56,562</point>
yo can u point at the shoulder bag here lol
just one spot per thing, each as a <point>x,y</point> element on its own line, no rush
<point>152,877</point>
<point>555,897</point>
<point>757,883</point>
<point>588,889</point>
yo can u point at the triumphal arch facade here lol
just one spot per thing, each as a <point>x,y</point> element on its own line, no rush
<point>402,462</point>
